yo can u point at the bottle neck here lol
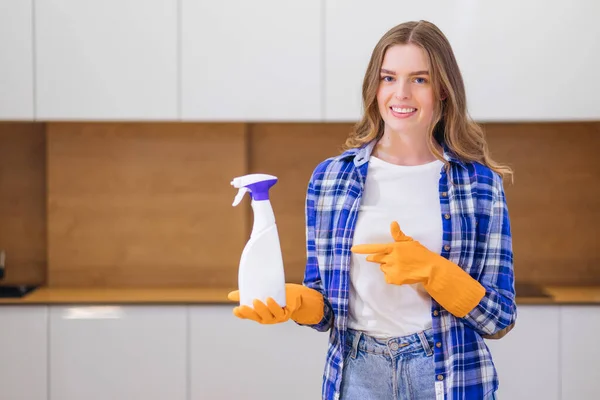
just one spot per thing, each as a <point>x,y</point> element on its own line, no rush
<point>263,215</point>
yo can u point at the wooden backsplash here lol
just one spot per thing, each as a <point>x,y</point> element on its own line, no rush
<point>149,204</point>
<point>144,205</point>
<point>23,201</point>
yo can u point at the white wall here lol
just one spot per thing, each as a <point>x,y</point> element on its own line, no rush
<point>270,60</point>
<point>204,352</point>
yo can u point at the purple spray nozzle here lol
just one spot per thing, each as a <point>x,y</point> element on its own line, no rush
<point>257,185</point>
<point>260,190</point>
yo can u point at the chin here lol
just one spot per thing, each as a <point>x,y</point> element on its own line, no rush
<point>397,126</point>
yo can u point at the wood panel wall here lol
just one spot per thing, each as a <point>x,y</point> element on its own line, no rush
<point>23,202</point>
<point>149,204</point>
<point>554,203</point>
<point>144,205</point>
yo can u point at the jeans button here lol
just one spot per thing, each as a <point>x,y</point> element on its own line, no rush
<point>394,346</point>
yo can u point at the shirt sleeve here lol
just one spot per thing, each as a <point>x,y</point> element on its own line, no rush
<point>312,274</point>
<point>497,309</point>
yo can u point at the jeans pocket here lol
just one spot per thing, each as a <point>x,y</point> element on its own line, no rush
<point>348,350</point>
<point>351,346</point>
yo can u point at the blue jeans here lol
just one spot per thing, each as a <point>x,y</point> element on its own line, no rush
<point>395,368</point>
<point>399,368</point>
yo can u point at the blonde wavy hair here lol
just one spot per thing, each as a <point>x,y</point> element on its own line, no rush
<point>451,123</point>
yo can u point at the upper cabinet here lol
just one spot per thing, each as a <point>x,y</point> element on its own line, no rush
<point>520,61</point>
<point>251,60</point>
<point>268,60</point>
<point>106,60</point>
<point>16,55</point>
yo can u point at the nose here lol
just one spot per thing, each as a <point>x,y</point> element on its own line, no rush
<point>402,91</point>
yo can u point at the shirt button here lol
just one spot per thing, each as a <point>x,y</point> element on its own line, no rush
<point>440,377</point>
<point>447,216</point>
<point>436,313</point>
<point>444,194</point>
<point>438,345</point>
<point>447,247</point>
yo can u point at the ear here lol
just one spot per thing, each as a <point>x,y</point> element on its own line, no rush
<point>443,94</point>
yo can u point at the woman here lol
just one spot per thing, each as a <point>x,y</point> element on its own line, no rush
<point>416,194</point>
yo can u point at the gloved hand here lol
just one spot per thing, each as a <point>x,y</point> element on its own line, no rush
<point>304,305</point>
<point>406,261</point>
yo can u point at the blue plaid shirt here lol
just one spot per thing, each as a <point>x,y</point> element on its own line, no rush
<point>476,236</point>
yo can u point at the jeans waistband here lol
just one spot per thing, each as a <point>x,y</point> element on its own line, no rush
<point>393,346</point>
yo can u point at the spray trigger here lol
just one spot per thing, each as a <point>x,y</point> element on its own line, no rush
<point>240,196</point>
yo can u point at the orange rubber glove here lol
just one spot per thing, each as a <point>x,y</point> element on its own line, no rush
<point>304,305</point>
<point>406,261</point>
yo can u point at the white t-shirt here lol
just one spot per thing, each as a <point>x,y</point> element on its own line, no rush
<point>409,195</point>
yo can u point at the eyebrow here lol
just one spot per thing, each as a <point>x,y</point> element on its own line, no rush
<point>387,71</point>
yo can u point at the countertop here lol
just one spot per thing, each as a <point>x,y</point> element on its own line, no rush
<point>526,294</point>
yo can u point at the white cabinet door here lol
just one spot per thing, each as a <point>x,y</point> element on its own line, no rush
<point>251,60</point>
<point>120,353</point>
<point>16,60</point>
<point>521,61</point>
<point>580,352</point>
<point>106,60</point>
<point>527,359</point>
<point>24,352</point>
<point>241,359</point>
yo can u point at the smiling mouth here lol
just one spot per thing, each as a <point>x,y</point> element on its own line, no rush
<point>403,110</point>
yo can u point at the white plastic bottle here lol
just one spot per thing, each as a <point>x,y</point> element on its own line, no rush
<point>261,273</point>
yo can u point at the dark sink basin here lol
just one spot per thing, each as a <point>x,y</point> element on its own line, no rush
<point>16,291</point>
<point>526,289</point>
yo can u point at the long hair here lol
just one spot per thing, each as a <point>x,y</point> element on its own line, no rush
<point>451,123</point>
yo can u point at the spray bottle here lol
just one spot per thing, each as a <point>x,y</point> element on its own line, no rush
<point>261,274</point>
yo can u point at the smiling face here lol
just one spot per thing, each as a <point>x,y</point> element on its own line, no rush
<point>405,95</point>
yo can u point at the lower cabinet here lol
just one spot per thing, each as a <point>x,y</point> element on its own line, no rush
<point>527,359</point>
<point>580,352</point>
<point>23,352</point>
<point>118,353</point>
<point>203,352</point>
<point>240,359</point>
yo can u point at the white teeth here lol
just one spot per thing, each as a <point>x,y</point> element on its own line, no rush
<point>403,110</point>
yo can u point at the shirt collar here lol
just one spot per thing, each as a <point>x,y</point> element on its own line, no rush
<point>363,153</point>
<point>451,157</point>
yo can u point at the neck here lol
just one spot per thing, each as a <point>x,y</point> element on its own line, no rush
<point>404,149</point>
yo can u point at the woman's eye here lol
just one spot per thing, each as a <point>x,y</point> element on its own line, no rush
<point>387,78</point>
<point>420,80</point>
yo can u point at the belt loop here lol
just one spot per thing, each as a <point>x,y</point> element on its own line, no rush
<point>355,341</point>
<point>425,343</point>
